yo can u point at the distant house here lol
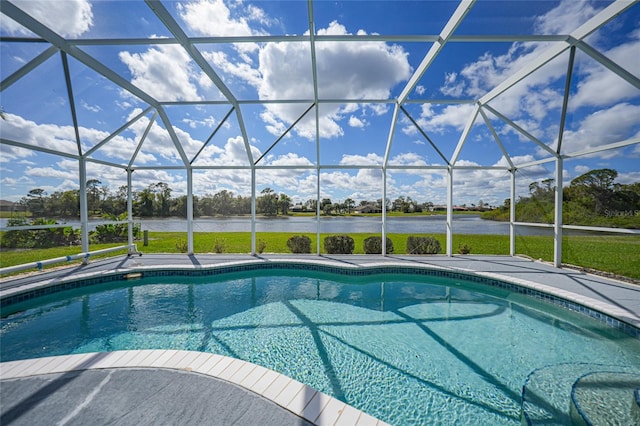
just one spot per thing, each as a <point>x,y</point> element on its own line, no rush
<point>297,208</point>
<point>443,208</point>
<point>10,206</point>
<point>368,208</point>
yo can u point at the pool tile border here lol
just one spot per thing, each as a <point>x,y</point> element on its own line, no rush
<point>605,313</point>
<point>289,394</point>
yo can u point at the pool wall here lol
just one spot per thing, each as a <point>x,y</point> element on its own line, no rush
<point>12,296</point>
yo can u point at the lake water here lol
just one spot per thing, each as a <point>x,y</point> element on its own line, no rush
<point>436,224</point>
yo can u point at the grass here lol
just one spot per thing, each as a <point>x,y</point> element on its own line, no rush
<point>613,254</point>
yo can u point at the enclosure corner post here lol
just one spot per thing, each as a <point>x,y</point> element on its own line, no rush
<point>129,209</point>
<point>512,215</point>
<point>253,210</point>
<point>450,211</point>
<point>84,208</point>
<point>190,210</point>
<point>557,225</point>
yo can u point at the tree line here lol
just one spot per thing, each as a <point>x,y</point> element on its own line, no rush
<point>156,200</point>
<point>591,199</point>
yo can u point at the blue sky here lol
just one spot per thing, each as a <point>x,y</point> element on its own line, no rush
<point>602,109</point>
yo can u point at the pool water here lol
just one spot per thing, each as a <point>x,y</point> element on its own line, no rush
<point>406,349</point>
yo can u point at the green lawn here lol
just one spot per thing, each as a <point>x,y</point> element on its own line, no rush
<point>615,254</point>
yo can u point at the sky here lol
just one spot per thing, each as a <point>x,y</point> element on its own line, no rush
<point>353,136</point>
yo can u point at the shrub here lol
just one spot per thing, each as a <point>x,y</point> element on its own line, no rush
<point>299,244</point>
<point>181,246</point>
<point>373,245</point>
<point>339,244</point>
<point>423,245</point>
<point>219,245</point>
<point>38,238</point>
<point>113,232</point>
<point>260,246</point>
<point>464,249</point>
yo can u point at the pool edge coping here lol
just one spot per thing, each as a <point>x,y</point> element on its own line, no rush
<point>628,322</point>
<point>285,392</point>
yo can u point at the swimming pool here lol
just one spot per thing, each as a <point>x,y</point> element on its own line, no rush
<point>404,348</point>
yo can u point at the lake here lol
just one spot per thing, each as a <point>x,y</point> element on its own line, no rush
<point>436,224</point>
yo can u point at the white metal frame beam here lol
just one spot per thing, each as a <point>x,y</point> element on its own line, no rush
<point>456,19</point>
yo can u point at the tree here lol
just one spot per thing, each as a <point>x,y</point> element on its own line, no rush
<point>349,204</point>
<point>284,201</point>
<point>267,203</point>
<point>179,207</point>
<point>35,201</point>
<point>162,194</point>
<point>397,204</point>
<point>311,205</point>
<point>144,203</point>
<point>326,206</point>
<point>93,195</point>
<point>594,189</point>
<point>223,203</point>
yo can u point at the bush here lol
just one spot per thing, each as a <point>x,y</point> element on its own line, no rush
<point>219,245</point>
<point>423,245</point>
<point>113,232</point>
<point>299,244</point>
<point>181,246</point>
<point>260,246</point>
<point>38,238</point>
<point>373,245</point>
<point>339,244</point>
<point>464,249</point>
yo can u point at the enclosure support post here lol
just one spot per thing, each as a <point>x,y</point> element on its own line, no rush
<point>129,208</point>
<point>84,208</point>
<point>384,211</point>
<point>189,210</point>
<point>512,215</point>
<point>317,208</point>
<point>450,211</point>
<point>557,225</point>
<point>253,210</point>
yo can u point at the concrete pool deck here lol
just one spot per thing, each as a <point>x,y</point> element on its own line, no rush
<point>80,385</point>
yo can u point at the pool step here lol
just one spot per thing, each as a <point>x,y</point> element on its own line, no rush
<point>547,393</point>
<point>605,398</point>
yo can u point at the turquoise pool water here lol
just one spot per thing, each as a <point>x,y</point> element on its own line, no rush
<point>406,349</point>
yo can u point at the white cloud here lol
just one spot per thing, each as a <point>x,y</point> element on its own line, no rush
<point>206,122</point>
<point>232,154</point>
<point>581,169</point>
<point>628,178</point>
<point>601,87</point>
<point>65,171</point>
<point>289,159</point>
<point>567,16</point>
<point>455,116</point>
<point>370,159</point>
<point>615,124</point>
<point>345,70</point>
<point>452,87</point>
<point>69,18</point>
<point>215,18</point>
<point>164,72</point>
<point>408,159</point>
<point>51,136</point>
<point>356,122</point>
<point>92,108</point>
<point>367,182</point>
